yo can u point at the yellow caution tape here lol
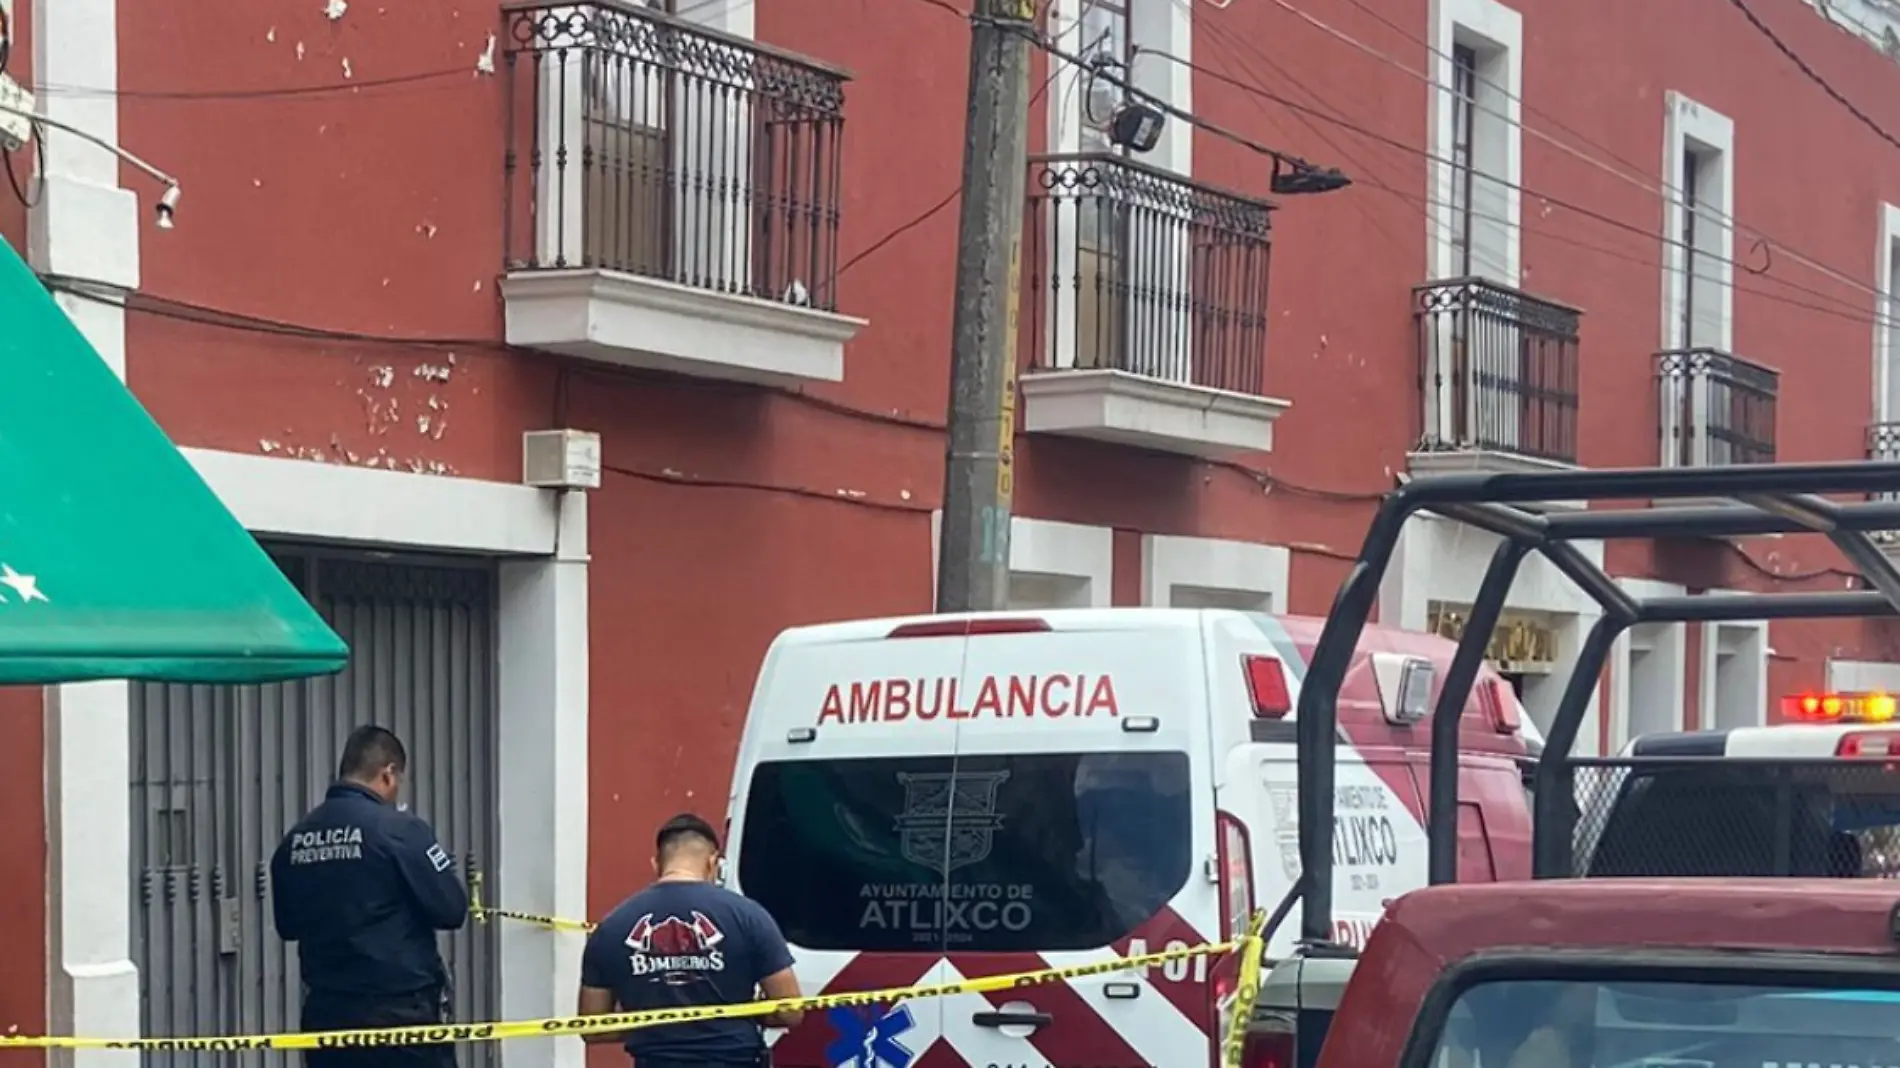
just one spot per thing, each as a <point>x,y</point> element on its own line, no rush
<point>435,1034</point>
<point>483,913</point>
<point>1246,992</point>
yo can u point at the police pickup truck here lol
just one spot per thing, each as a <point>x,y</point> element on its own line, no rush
<point>1627,973</point>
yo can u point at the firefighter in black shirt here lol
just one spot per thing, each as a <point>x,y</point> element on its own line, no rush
<point>362,887</point>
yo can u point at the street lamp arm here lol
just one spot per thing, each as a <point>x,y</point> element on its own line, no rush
<point>167,204</point>
<point>93,139</point>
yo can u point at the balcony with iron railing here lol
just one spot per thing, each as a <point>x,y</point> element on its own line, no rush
<point>1497,373</point>
<point>1144,307</point>
<point>672,195</point>
<point>1883,444</point>
<point>1715,409</point>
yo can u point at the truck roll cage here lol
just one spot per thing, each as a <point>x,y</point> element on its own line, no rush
<point>1763,499</point>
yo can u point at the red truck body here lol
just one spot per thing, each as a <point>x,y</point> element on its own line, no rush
<point>1429,933</point>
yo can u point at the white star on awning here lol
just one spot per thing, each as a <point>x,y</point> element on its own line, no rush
<point>25,587</point>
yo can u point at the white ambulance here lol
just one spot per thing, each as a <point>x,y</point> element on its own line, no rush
<point>927,798</point>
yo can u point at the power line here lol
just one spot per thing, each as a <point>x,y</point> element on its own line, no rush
<point>1503,90</point>
<point>1427,202</point>
<point>323,88</point>
<point>278,93</point>
<point>205,315</point>
<point>1842,308</point>
<point>928,213</point>
<point>1634,176</point>
<point>1047,44</point>
<point>1808,71</point>
<point>1220,36</point>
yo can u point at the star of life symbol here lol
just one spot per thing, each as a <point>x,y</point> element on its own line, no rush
<point>868,1036</point>
<point>1286,830</point>
<point>24,587</point>
<point>949,820</point>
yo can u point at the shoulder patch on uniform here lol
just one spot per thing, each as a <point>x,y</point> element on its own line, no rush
<point>439,857</point>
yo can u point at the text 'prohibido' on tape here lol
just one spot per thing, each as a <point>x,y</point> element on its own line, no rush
<point>1249,947</point>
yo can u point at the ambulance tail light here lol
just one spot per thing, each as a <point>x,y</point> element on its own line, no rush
<point>1839,708</point>
<point>1266,684</point>
<point>969,628</point>
<point>1874,745</point>
<point>1234,859</point>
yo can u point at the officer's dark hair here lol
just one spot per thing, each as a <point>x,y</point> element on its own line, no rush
<point>684,829</point>
<point>369,750</point>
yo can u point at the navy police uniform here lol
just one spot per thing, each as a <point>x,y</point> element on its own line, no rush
<point>680,945</point>
<point>362,887</point>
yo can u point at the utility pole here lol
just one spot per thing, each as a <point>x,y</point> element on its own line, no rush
<point>978,483</point>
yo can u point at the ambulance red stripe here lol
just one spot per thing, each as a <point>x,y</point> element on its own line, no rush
<point>940,1055</point>
<point>1163,931</point>
<point>1360,687</point>
<point>804,1046</point>
<point>1078,1034</point>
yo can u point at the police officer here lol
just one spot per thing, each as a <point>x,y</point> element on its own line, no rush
<point>362,887</point>
<point>686,942</point>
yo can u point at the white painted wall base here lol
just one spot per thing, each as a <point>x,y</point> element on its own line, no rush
<point>1051,564</point>
<point>92,984</point>
<point>1734,673</point>
<point>1648,668</point>
<point>542,538</point>
<point>1439,560</point>
<point>544,803</point>
<point>1863,676</point>
<point>1180,572</point>
<point>85,225</point>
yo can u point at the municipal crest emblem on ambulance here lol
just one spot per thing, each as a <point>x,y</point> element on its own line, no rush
<point>949,820</point>
<point>1286,826</point>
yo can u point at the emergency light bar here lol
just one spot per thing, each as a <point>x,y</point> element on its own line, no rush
<point>1839,708</point>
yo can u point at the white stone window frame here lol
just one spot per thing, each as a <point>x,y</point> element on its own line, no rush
<point>1158,30</point>
<point>1886,370</point>
<point>1689,124</point>
<point>1497,30</point>
<point>1077,555</point>
<point>1253,576</point>
<point>1669,640</point>
<point>1863,676</point>
<point>1742,633</point>
<point>540,539</point>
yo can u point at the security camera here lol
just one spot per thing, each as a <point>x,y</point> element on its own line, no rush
<point>166,208</point>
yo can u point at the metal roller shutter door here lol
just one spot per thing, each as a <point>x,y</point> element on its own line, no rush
<point>220,772</point>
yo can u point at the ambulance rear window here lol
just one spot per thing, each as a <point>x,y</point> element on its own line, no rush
<point>1021,853</point>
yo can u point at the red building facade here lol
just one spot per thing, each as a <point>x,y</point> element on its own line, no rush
<point>1617,234</point>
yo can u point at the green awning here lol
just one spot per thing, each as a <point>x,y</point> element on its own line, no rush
<point>116,560</point>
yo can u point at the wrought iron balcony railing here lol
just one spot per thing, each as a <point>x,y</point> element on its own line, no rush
<point>1131,268</point>
<point>1715,409</point>
<point>1883,443</point>
<point>642,143</point>
<point>1497,370</point>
